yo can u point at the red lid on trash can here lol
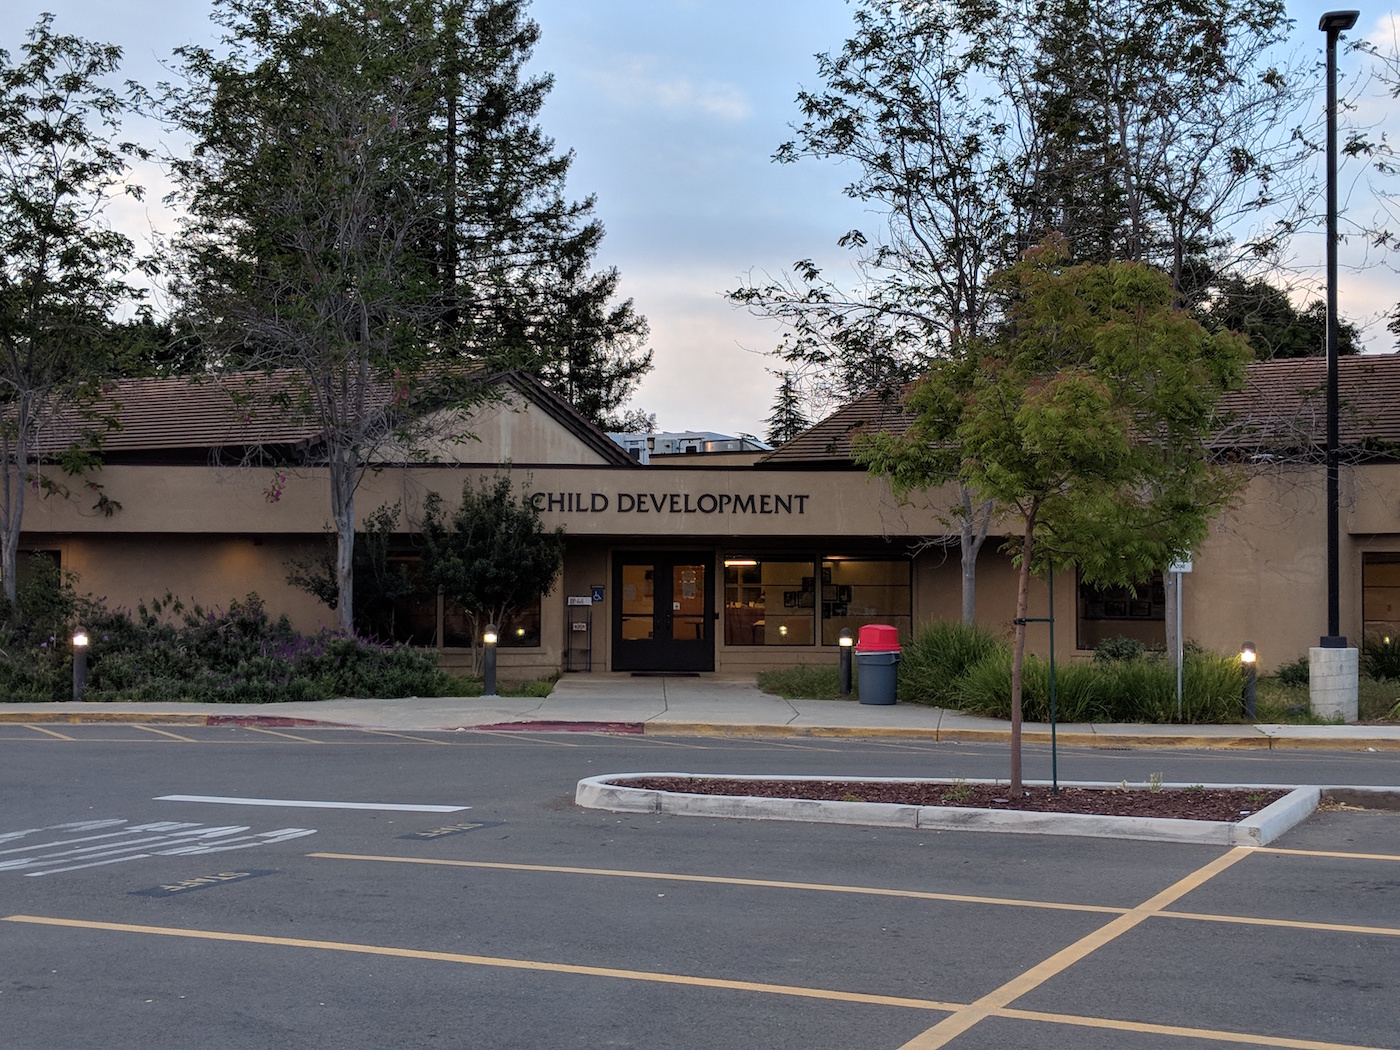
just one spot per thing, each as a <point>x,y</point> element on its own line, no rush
<point>878,638</point>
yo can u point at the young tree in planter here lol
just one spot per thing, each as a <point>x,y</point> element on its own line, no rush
<point>61,266</point>
<point>491,556</point>
<point>1084,417</point>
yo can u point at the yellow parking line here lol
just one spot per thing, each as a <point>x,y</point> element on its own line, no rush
<point>495,961</point>
<point>688,980</point>
<point>285,736</point>
<point>1328,853</point>
<point>163,732</point>
<point>50,732</point>
<point>718,880</point>
<point>999,998</point>
<point>1249,1039</point>
<point>1287,924</point>
<point>405,736</point>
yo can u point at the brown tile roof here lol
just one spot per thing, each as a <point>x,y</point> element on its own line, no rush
<point>1283,406</point>
<point>178,413</point>
<point>250,410</point>
<point>1282,409</point>
<point>828,443</point>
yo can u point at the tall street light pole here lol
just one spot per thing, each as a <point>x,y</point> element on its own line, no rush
<point>1333,23</point>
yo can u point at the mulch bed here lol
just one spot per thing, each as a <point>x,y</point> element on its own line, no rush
<point>1231,804</point>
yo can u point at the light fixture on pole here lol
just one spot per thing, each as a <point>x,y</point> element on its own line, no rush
<point>1333,23</point>
<point>489,638</point>
<point>846,641</point>
<point>1248,659</point>
<point>80,668</point>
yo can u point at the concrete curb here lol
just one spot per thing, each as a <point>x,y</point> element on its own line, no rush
<point>610,792</point>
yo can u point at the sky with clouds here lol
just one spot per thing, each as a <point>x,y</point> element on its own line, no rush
<point>673,109</point>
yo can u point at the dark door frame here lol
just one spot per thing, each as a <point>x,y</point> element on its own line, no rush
<point>661,652</point>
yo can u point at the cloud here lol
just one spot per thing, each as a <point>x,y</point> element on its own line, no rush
<point>638,83</point>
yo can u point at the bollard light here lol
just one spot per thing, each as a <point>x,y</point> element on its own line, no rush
<point>1247,662</point>
<point>488,664</point>
<point>846,641</point>
<point>80,646</point>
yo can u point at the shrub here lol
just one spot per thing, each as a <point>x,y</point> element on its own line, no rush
<point>168,652</point>
<point>1112,650</point>
<point>1296,672</point>
<point>1141,690</point>
<point>1380,657</point>
<point>939,655</point>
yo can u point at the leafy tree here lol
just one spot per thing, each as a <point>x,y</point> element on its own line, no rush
<point>491,556</point>
<point>1138,130</point>
<point>1275,327</point>
<point>147,346</point>
<point>1163,124</point>
<point>298,251</point>
<point>1084,417</point>
<point>61,265</point>
<point>924,103</point>
<point>380,582</point>
<point>375,215</point>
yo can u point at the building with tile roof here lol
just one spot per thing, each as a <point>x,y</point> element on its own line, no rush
<point>730,562</point>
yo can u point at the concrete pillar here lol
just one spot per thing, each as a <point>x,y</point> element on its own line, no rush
<point>1333,683</point>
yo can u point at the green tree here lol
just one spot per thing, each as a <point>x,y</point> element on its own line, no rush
<point>925,105</point>
<point>526,287</point>
<point>787,420</point>
<point>491,556</point>
<point>380,581</point>
<point>1084,418</point>
<point>1164,126</point>
<point>1266,315</point>
<point>297,255</point>
<point>62,268</point>
<point>375,215</point>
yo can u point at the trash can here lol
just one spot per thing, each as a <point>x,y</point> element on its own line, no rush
<point>877,663</point>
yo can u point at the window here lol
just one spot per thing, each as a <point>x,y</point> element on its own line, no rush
<point>521,630</point>
<point>1138,612</point>
<point>769,602</point>
<point>1380,595</point>
<point>782,602</point>
<point>857,591</point>
<point>412,619</point>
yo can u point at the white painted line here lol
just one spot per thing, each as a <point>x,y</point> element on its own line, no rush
<point>289,803</point>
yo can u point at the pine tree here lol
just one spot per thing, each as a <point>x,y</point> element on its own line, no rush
<point>787,419</point>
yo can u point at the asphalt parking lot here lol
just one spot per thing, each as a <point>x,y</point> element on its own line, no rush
<point>246,887</point>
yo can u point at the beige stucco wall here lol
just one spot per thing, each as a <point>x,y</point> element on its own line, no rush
<point>1261,576</point>
<point>213,534</point>
<point>124,569</point>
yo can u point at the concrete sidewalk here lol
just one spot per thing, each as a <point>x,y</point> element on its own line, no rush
<point>710,705</point>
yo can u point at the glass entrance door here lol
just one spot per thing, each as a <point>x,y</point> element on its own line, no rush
<point>663,615</point>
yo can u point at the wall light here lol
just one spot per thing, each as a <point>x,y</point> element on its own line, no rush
<point>730,563</point>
